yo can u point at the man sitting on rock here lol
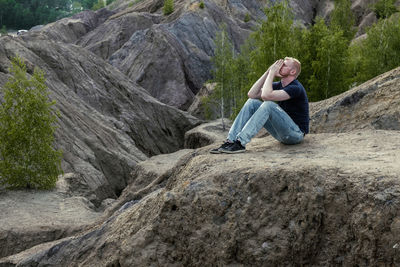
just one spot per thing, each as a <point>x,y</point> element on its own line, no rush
<point>287,120</point>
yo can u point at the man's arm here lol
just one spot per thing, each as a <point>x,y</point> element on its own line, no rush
<point>267,93</point>
<point>255,90</point>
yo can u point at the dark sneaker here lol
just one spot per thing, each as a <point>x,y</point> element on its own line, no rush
<point>234,148</point>
<point>218,149</point>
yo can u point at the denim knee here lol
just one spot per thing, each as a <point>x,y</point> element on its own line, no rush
<point>252,101</point>
<point>268,105</point>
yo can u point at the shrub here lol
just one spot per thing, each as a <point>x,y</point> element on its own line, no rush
<point>384,8</point>
<point>3,30</point>
<point>201,5</point>
<point>27,158</point>
<point>168,7</point>
<point>98,5</point>
<point>247,17</point>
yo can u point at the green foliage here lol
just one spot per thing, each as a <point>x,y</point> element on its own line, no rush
<point>384,8</point>
<point>379,52</point>
<point>222,71</point>
<point>3,30</point>
<point>343,19</point>
<point>76,7</point>
<point>23,14</point>
<point>201,5</point>
<point>168,7</point>
<point>27,125</point>
<point>274,38</point>
<point>329,67</point>
<point>247,17</point>
<point>324,57</point>
<point>98,5</point>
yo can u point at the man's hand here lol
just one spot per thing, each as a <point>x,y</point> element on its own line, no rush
<point>276,67</point>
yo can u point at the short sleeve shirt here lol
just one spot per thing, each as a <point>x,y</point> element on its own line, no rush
<point>297,105</point>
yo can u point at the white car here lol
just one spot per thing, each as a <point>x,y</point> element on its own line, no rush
<point>21,32</point>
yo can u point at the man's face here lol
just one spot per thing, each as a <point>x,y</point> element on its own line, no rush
<point>286,68</point>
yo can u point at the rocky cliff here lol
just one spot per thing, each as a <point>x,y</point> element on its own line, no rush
<point>108,123</point>
<point>332,200</point>
<point>170,56</point>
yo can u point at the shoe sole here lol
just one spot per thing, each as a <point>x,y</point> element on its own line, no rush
<point>233,152</point>
<point>215,152</point>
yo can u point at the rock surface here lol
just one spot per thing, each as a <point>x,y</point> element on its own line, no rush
<point>207,134</point>
<point>332,200</point>
<point>108,123</point>
<point>372,105</point>
<point>29,218</point>
<point>170,56</point>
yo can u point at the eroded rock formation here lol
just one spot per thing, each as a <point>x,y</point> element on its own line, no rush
<point>108,123</point>
<point>334,199</point>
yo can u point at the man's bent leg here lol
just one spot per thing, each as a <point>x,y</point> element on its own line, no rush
<point>256,122</point>
<point>282,127</point>
<point>248,109</point>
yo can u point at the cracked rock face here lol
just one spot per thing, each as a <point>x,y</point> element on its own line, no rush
<point>326,201</point>
<point>374,104</point>
<point>107,122</point>
<point>170,56</point>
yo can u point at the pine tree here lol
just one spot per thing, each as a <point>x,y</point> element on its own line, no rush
<point>308,52</point>
<point>241,67</point>
<point>384,8</point>
<point>380,51</point>
<point>168,7</point>
<point>274,39</point>
<point>343,19</point>
<point>222,72</point>
<point>329,66</point>
<point>27,125</point>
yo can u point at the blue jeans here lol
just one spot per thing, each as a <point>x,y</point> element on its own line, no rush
<point>256,114</point>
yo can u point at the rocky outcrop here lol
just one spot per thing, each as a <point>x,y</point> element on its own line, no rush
<point>207,134</point>
<point>30,218</point>
<point>371,105</point>
<point>115,32</point>
<point>170,56</point>
<point>108,123</point>
<point>332,200</point>
<point>172,59</point>
<point>71,29</point>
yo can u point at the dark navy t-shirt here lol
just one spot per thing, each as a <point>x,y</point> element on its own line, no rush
<point>297,105</point>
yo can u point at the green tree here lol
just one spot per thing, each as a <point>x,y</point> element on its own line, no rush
<point>168,7</point>
<point>76,7</point>
<point>3,30</point>
<point>98,5</point>
<point>27,125</point>
<point>274,39</point>
<point>380,51</point>
<point>329,66</point>
<point>343,19</point>
<point>222,72</point>
<point>310,39</point>
<point>241,67</point>
<point>384,8</point>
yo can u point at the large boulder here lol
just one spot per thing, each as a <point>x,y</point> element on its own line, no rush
<point>108,123</point>
<point>327,201</point>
